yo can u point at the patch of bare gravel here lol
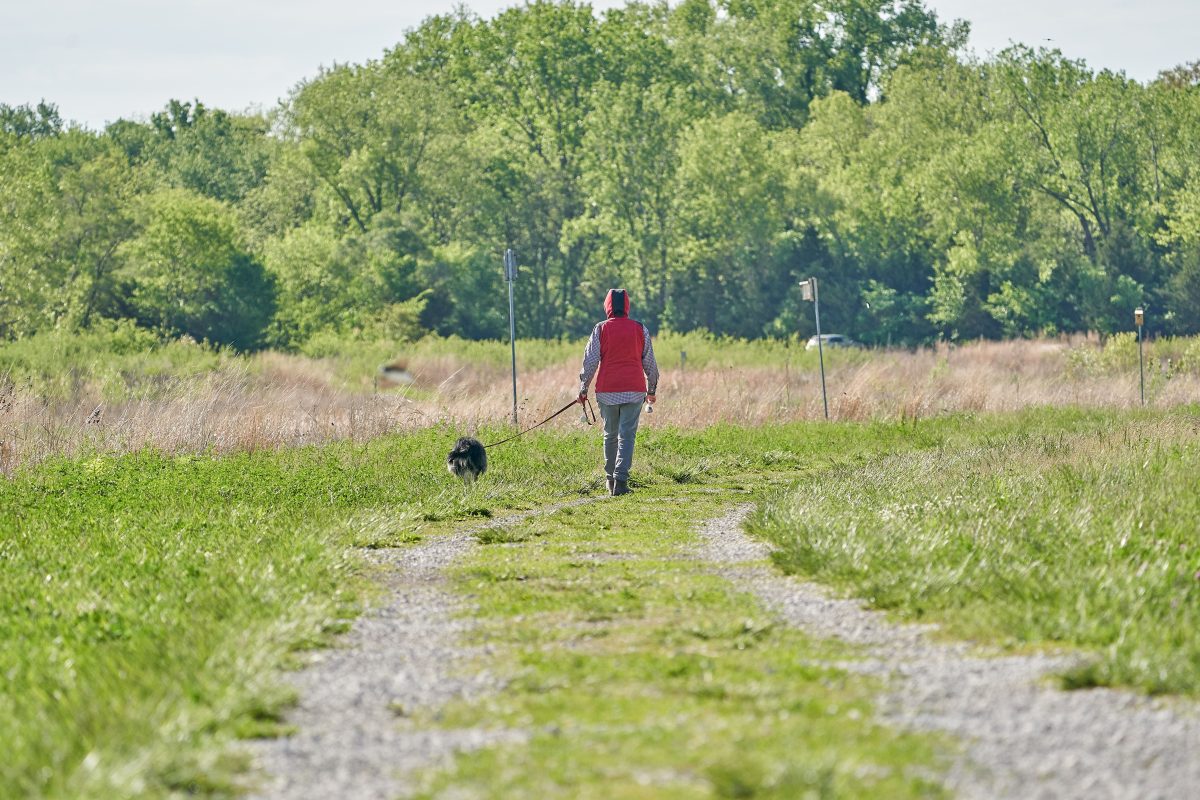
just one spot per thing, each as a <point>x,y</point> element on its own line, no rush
<point>352,741</point>
<point>1022,738</point>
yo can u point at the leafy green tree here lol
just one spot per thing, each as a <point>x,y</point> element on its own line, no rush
<point>28,122</point>
<point>528,76</point>
<point>329,283</point>
<point>208,151</point>
<point>66,210</point>
<point>629,165</point>
<point>734,222</point>
<point>466,288</point>
<point>287,198</point>
<point>981,233</point>
<point>772,58</point>
<point>1180,297</point>
<point>312,283</point>
<point>1089,154</point>
<point>529,80</point>
<point>191,275</point>
<point>871,232</point>
<point>26,226</point>
<point>368,133</point>
<point>1172,114</point>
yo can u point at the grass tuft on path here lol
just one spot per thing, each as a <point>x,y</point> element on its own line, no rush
<point>148,598</point>
<point>1054,527</point>
<point>637,673</point>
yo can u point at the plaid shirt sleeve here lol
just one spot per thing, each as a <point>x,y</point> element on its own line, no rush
<point>649,365</point>
<point>591,360</point>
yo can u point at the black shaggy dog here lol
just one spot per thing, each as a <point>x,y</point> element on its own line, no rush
<point>468,459</point>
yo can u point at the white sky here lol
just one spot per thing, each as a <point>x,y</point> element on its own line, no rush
<point>103,59</point>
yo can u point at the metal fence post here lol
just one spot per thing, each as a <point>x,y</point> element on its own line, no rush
<point>808,291</point>
<point>1139,317</point>
<point>510,276</point>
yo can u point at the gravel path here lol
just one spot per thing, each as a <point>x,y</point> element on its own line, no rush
<point>352,742</point>
<point>1022,738</point>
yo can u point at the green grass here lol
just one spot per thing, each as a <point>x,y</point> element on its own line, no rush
<point>1047,528</point>
<point>120,361</point>
<point>1165,355</point>
<point>117,359</point>
<point>147,598</point>
<point>637,674</point>
<point>356,363</point>
<point>703,351</point>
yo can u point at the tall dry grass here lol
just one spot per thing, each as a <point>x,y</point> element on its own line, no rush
<point>220,412</point>
<point>276,400</point>
<point>890,385</point>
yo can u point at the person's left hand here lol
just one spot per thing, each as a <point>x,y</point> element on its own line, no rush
<point>582,398</point>
<point>650,399</point>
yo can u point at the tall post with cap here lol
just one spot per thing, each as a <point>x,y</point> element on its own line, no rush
<point>808,291</point>
<point>510,276</point>
<point>1139,318</point>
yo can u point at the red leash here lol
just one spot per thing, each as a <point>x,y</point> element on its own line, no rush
<point>586,408</point>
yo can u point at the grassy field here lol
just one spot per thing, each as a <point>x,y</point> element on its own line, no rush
<point>1064,528</point>
<point>147,597</point>
<point>161,560</point>
<point>120,361</point>
<point>121,389</point>
<point>637,674</point>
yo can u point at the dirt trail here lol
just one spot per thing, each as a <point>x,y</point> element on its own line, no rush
<point>351,741</point>
<point>1022,738</point>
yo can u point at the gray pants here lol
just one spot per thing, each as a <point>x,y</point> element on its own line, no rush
<point>620,429</point>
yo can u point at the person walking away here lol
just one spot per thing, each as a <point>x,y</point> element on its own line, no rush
<point>620,349</point>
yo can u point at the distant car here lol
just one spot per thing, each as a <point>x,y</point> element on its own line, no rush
<point>831,340</point>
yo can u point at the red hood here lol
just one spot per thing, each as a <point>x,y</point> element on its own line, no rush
<point>608,303</point>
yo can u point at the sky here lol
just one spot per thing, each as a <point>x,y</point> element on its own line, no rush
<point>100,60</point>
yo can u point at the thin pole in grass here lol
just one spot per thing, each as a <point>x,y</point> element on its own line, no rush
<point>808,291</point>
<point>787,371</point>
<point>1139,317</point>
<point>510,276</point>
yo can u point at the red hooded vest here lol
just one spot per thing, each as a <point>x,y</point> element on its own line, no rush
<point>622,342</point>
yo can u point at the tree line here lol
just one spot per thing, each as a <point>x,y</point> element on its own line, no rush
<point>707,155</point>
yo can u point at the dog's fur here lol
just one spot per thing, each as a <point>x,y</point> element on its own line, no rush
<point>468,459</point>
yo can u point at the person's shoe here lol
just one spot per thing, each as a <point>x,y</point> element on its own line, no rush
<point>620,488</point>
<point>610,482</point>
